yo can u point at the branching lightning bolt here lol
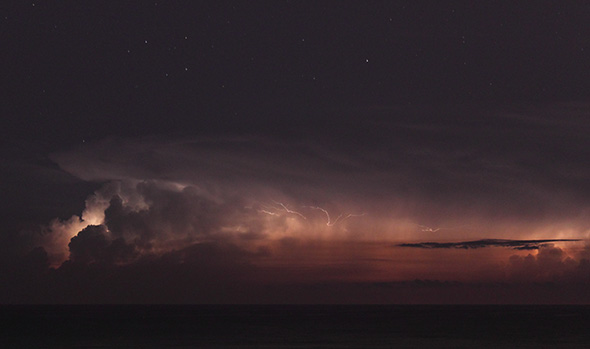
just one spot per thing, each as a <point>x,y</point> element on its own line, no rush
<point>290,211</point>
<point>329,223</point>
<point>339,218</point>
<point>272,211</point>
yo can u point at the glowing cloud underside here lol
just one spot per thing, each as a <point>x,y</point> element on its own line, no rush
<point>242,193</point>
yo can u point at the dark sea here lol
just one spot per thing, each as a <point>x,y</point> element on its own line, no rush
<point>294,326</point>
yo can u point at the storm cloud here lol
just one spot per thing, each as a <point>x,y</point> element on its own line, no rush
<point>516,163</point>
<point>221,153</point>
<point>426,168</point>
<point>264,210</point>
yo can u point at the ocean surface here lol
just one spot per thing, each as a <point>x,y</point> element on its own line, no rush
<point>294,326</point>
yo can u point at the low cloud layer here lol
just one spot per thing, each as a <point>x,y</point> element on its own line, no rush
<point>515,244</point>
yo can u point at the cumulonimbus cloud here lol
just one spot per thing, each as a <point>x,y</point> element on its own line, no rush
<point>244,204</point>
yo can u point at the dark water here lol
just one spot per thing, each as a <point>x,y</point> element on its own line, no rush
<point>295,326</point>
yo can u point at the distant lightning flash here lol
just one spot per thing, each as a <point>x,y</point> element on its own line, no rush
<point>329,223</point>
<point>428,229</point>
<point>268,212</point>
<point>351,215</point>
<point>339,218</point>
<point>434,230</point>
<point>290,211</point>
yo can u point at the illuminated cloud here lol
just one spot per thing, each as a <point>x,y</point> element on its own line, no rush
<point>400,181</point>
<point>384,208</point>
<point>552,264</point>
<point>436,167</point>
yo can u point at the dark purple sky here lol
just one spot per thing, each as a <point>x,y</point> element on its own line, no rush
<point>279,151</point>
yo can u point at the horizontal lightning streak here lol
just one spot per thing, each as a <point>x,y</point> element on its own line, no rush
<point>339,218</point>
<point>290,211</point>
<point>268,212</point>
<point>429,229</point>
<point>434,230</point>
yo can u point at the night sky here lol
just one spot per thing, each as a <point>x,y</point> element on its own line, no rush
<point>295,152</point>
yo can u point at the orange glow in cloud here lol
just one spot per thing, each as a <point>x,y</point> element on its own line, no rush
<point>296,241</point>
